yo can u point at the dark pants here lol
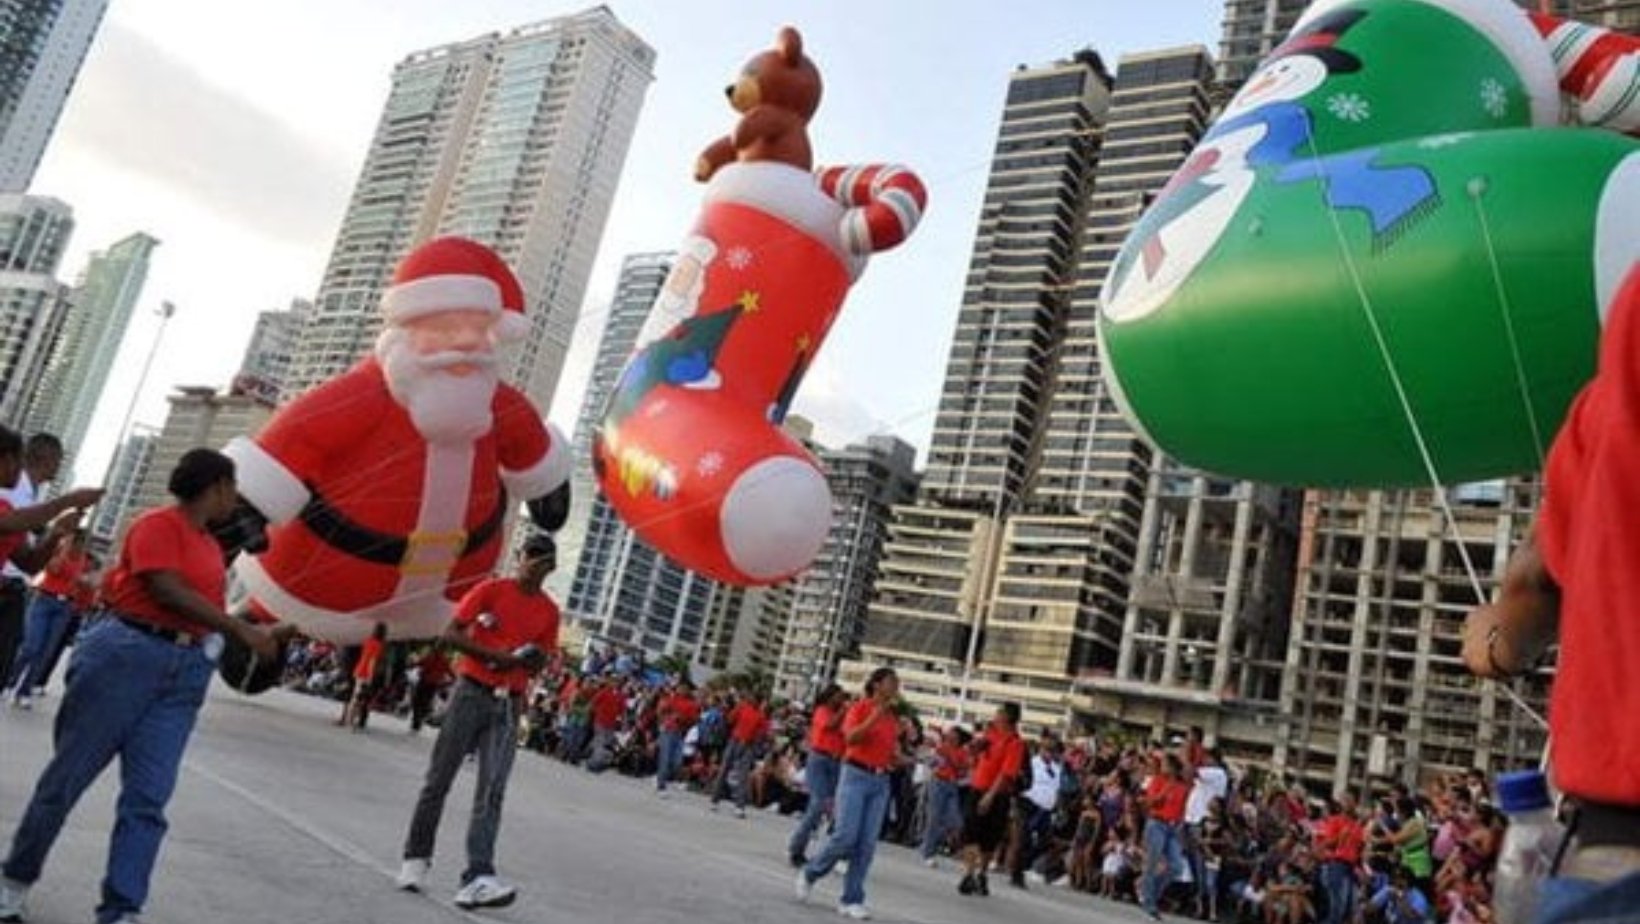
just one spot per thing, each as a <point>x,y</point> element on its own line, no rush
<point>75,623</point>
<point>44,623</point>
<point>136,697</point>
<point>421,704</point>
<point>477,720</point>
<point>13,604</point>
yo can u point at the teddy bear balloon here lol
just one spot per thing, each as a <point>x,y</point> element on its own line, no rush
<point>1380,260</point>
<point>690,451</point>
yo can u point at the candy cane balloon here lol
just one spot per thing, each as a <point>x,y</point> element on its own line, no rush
<point>690,452</point>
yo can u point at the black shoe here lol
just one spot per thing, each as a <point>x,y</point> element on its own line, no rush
<point>797,860</point>
<point>982,885</point>
<point>967,886</point>
<point>1017,880</point>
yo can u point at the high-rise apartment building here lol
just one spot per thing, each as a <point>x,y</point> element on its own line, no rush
<point>637,286</point>
<point>515,140</point>
<point>199,416</point>
<point>828,612</point>
<point>1374,684</point>
<point>744,629</point>
<point>42,45</point>
<point>266,366</point>
<point>130,469</point>
<point>34,232</point>
<point>1252,29</point>
<point>84,353</point>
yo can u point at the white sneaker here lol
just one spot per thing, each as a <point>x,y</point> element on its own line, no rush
<point>932,862</point>
<point>740,813</point>
<point>412,874</point>
<point>857,912</point>
<point>804,887</point>
<point>13,901</point>
<point>22,701</point>
<point>486,892</point>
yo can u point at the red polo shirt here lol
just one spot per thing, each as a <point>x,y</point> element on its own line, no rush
<point>1002,756</point>
<point>822,738</point>
<point>1344,839</point>
<point>63,573</point>
<point>951,762</point>
<point>1166,798</point>
<point>876,749</point>
<point>518,619</point>
<point>1590,541</point>
<point>165,540</point>
<point>747,723</point>
<point>370,654</point>
<point>683,711</point>
<point>608,706</point>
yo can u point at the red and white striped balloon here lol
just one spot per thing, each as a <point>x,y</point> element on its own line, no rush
<point>885,203</point>
<point>1599,67</point>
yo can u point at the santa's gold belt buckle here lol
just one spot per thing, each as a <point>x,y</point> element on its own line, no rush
<point>415,564</point>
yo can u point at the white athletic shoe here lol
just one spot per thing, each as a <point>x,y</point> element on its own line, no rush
<point>804,888</point>
<point>857,912</point>
<point>486,892</point>
<point>740,813</point>
<point>13,901</point>
<point>412,874</point>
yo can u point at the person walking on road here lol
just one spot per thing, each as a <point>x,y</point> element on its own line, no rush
<point>871,744</point>
<point>821,770</point>
<point>136,681</point>
<point>504,630</point>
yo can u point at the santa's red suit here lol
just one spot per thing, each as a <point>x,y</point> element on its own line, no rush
<point>370,519</point>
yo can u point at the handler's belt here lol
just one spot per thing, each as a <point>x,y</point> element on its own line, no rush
<point>402,552</point>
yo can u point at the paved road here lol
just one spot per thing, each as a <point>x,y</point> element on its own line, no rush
<point>280,817</point>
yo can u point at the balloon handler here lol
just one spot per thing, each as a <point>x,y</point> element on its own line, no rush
<point>690,451</point>
<point>382,494</point>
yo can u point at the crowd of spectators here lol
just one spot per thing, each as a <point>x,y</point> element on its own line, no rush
<point>1240,845</point>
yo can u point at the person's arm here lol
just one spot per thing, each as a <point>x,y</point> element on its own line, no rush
<point>457,636</point>
<point>170,591</point>
<point>834,719</point>
<point>1505,637</point>
<point>62,514</point>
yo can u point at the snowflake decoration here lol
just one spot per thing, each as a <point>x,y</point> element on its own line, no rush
<point>1494,98</point>
<point>1351,107</point>
<point>1443,141</point>
<point>738,258</point>
<point>656,408</point>
<point>709,464</point>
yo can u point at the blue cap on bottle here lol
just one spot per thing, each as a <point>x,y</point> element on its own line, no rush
<point>1522,791</point>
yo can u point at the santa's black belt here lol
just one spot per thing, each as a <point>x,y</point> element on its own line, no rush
<point>337,531</point>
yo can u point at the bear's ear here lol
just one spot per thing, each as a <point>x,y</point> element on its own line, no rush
<point>790,45</point>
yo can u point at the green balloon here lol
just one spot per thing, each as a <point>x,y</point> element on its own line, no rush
<point>1371,211</point>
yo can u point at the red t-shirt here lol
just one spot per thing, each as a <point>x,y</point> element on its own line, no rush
<point>1586,532</point>
<point>1166,798</point>
<point>881,742</point>
<point>62,574</point>
<point>747,723</point>
<point>1345,837</point>
<point>435,668</point>
<point>370,654</point>
<point>518,619</point>
<point>608,706</point>
<point>824,739</point>
<point>683,711</point>
<point>951,762</point>
<point>1002,757</point>
<point>164,540</point>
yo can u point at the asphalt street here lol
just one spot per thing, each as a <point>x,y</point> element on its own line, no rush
<point>282,817</point>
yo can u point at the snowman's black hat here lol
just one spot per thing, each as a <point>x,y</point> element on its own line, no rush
<point>1319,40</point>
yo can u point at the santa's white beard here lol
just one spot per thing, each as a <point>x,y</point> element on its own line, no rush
<point>445,408</point>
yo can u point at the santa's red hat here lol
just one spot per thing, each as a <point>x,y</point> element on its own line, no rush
<point>454,273</point>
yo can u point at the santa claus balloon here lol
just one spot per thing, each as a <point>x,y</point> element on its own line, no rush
<point>385,490</point>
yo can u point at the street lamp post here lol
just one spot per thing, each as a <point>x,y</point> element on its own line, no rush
<point>166,311</point>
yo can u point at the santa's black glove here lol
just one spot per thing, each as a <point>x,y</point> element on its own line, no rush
<point>244,530</point>
<point>551,510</point>
<point>533,658</point>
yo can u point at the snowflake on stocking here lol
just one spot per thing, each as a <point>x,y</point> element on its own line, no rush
<point>1494,98</point>
<point>709,464</point>
<point>738,258</point>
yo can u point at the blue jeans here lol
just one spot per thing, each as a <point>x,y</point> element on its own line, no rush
<point>129,695</point>
<point>862,803</point>
<point>1566,901</point>
<point>1338,881</point>
<point>43,627</point>
<point>820,773</point>
<point>668,758</point>
<point>1162,843</point>
<point>944,815</point>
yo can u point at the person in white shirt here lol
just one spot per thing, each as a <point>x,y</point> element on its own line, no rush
<point>1212,782</point>
<point>1035,808</point>
<point>42,456</point>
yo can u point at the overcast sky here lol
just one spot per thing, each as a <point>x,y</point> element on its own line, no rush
<point>233,131</point>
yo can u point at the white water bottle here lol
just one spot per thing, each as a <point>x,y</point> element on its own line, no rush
<point>1529,847</point>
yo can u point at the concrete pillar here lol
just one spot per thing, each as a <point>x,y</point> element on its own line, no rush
<point>1148,526</point>
<point>1230,612</point>
<point>1371,532</point>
